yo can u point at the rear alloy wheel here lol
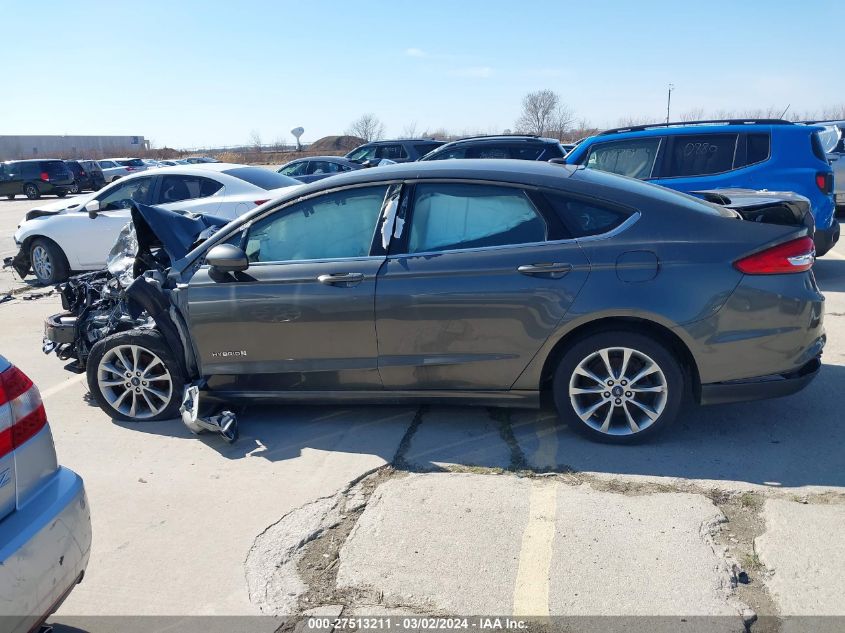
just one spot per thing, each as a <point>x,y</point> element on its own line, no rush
<point>31,192</point>
<point>619,387</point>
<point>74,188</point>
<point>134,376</point>
<point>48,261</point>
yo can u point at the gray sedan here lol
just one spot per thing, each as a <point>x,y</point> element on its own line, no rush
<point>480,282</point>
<point>316,168</point>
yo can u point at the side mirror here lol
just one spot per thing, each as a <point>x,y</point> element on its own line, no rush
<point>227,258</point>
<point>92,207</point>
<point>370,162</point>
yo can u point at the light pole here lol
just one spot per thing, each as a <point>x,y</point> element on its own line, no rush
<point>669,102</point>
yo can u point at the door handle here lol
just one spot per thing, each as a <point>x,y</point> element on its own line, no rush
<point>552,269</point>
<point>341,278</point>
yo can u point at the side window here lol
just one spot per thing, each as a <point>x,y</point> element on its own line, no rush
<point>135,190</point>
<point>363,153</point>
<point>318,167</point>
<point>296,169</point>
<point>700,155</point>
<point>455,152</point>
<point>106,164</point>
<point>393,152</point>
<point>339,224</point>
<point>422,150</point>
<point>454,216</point>
<point>634,157</point>
<point>758,147</point>
<point>585,218</point>
<point>178,188</point>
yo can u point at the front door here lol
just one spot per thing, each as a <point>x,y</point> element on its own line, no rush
<point>480,281</point>
<point>301,317</point>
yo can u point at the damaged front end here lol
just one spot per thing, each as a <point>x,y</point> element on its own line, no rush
<point>133,294</point>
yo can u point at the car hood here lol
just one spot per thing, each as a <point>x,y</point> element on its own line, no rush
<point>68,205</point>
<point>176,233</point>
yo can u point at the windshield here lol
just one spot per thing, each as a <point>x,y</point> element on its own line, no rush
<point>362,153</point>
<point>261,177</point>
<point>132,162</point>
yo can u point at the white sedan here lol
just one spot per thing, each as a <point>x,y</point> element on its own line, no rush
<point>76,234</point>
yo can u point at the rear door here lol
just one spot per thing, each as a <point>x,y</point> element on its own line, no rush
<point>301,317</point>
<point>477,282</point>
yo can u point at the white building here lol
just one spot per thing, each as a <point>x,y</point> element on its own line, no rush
<point>19,147</point>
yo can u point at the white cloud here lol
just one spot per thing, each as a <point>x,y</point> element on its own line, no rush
<point>477,72</point>
<point>415,52</point>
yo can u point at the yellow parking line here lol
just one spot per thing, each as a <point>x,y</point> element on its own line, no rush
<point>62,386</point>
<point>531,593</point>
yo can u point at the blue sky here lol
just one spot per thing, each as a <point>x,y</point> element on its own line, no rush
<point>190,73</point>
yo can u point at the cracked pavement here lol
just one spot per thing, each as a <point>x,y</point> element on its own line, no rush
<point>736,512</point>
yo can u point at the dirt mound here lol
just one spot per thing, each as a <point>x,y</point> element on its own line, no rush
<point>336,144</point>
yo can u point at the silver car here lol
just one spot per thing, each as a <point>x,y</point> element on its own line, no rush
<point>45,523</point>
<point>114,168</point>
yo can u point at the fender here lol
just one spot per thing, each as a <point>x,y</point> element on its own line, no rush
<point>144,294</point>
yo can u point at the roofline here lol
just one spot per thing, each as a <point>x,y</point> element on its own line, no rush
<point>653,126</point>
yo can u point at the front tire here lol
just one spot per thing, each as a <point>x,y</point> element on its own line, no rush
<point>48,261</point>
<point>31,192</point>
<point>619,387</point>
<point>134,376</point>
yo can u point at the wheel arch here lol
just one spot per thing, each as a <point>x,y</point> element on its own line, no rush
<point>652,328</point>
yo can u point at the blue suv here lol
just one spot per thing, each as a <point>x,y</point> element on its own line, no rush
<point>749,154</point>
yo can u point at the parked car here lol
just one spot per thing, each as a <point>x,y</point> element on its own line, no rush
<point>34,178</point>
<point>45,522</point>
<point>316,168</point>
<point>752,154</point>
<point>519,146</point>
<point>83,179</point>
<point>195,160</point>
<point>94,172</point>
<point>400,150</point>
<point>479,282</point>
<point>114,168</point>
<point>58,238</point>
<point>150,163</point>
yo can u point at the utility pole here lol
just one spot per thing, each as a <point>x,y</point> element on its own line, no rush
<point>669,102</point>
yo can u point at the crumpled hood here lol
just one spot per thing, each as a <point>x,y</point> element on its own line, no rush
<point>175,232</point>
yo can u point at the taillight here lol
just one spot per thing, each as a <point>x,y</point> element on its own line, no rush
<point>82,174</point>
<point>45,176</point>
<point>262,201</point>
<point>22,413</point>
<point>824,181</point>
<point>796,256</point>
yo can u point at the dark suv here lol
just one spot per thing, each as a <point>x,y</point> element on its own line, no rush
<point>34,178</point>
<point>521,147</point>
<point>403,150</point>
<point>85,178</point>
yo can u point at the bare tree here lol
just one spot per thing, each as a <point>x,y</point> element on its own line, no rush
<point>538,111</point>
<point>255,140</point>
<point>559,122</point>
<point>410,130</point>
<point>696,114</point>
<point>367,127</point>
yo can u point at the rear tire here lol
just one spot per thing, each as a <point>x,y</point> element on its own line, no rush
<point>48,261</point>
<point>619,387</point>
<point>31,192</point>
<point>74,188</point>
<point>134,376</point>
<point>61,194</point>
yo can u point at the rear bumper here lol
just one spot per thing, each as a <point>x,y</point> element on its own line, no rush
<point>44,550</point>
<point>764,387</point>
<point>826,239</point>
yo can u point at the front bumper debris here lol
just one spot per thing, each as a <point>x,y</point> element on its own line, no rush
<point>225,422</point>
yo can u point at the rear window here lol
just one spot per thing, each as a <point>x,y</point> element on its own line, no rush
<point>132,162</point>
<point>553,150</point>
<point>505,150</point>
<point>261,177</point>
<point>425,148</point>
<point>758,148</point>
<point>700,155</point>
<point>818,150</point>
<point>55,169</point>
